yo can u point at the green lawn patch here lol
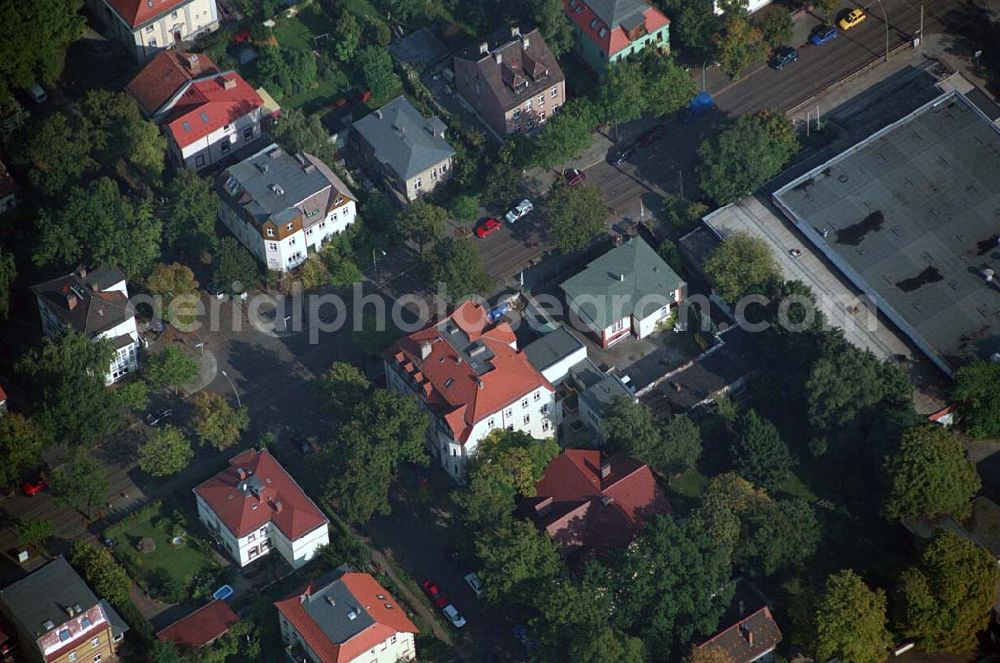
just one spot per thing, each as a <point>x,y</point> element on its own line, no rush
<point>795,486</point>
<point>363,8</point>
<point>298,31</point>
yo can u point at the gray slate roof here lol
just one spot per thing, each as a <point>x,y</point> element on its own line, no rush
<point>627,13</point>
<point>334,619</point>
<point>96,311</point>
<point>403,139</point>
<point>598,389</point>
<point>631,279</point>
<point>44,595</point>
<point>551,348</point>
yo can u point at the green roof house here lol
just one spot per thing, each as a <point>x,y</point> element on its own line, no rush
<point>626,291</point>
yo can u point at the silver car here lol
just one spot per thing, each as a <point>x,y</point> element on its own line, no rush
<point>457,620</point>
<point>521,210</point>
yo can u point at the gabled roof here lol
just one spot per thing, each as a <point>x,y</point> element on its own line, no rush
<point>165,75</point>
<point>255,490</point>
<point>608,22</point>
<point>137,12</point>
<point>343,615</point>
<point>82,299</point>
<point>629,280</point>
<point>748,639</point>
<point>466,369</point>
<point>208,105</point>
<point>202,627</point>
<point>403,139</point>
<point>581,508</point>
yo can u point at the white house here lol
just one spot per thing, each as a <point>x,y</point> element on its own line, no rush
<point>470,376</point>
<point>146,27</point>
<point>628,290</point>
<point>281,206</point>
<point>345,617</point>
<point>254,507</point>
<point>96,305</point>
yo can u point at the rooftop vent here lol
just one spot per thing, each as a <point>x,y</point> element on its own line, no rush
<point>262,167</point>
<point>278,506</point>
<point>388,606</point>
<point>525,43</point>
<point>425,350</point>
<point>192,62</point>
<point>48,625</point>
<point>332,601</point>
<point>229,83</point>
<point>605,469</point>
<point>515,31</point>
<point>498,57</point>
<point>241,473</point>
<point>275,153</point>
<point>484,48</point>
<point>353,614</point>
<point>277,190</point>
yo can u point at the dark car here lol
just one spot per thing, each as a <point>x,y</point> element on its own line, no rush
<point>783,57</point>
<point>575,177</point>
<point>650,136</point>
<point>823,34</point>
<point>154,418</point>
<point>620,155</point>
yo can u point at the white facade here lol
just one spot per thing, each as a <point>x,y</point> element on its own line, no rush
<point>181,23</point>
<point>751,6</point>
<point>397,647</point>
<point>261,542</point>
<point>217,145</point>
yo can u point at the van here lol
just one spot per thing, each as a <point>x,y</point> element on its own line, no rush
<point>37,93</point>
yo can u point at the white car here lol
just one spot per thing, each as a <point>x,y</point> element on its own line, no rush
<point>475,583</point>
<point>520,211</point>
<point>37,93</point>
<point>457,620</point>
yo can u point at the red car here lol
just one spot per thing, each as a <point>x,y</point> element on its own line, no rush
<point>488,227</point>
<point>35,486</point>
<point>575,177</point>
<point>439,599</point>
<point>652,135</point>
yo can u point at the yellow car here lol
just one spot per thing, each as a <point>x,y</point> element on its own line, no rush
<point>852,18</point>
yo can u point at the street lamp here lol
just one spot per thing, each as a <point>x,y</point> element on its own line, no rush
<point>232,384</point>
<point>375,260</point>
<point>885,20</point>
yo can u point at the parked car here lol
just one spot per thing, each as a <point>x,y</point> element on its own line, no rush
<point>851,19</point>
<point>521,210</point>
<point>108,541</point>
<point>37,94</point>
<point>701,104</point>
<point>154,418</point>
<point>35,485</point>
<point>784,56</point>
<point>435,595</point>
<point>304,444</point>
<point>487,227</point>
<point>457,620</point>
<point>575,177</point>
<point>650,136</point>
<point>475,583</point>
<point>823,34</point>
<point>621,154</point>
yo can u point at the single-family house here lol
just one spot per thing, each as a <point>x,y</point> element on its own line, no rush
<point>408,151</point>
<point>201,628</point>
<point>8,190</point>
<point>94,303</point>
<point>58,619</point>
<point>589,501</point>
<point>469,374</point>
<point>255,507</point>
<point>749,633</point>
<point>345,617</point>
<point>205,114</point>
<point>628,290</point>
<point>145,27</point>
<point>281,205</point>
<point>511,80</point>
<point>605,31</point>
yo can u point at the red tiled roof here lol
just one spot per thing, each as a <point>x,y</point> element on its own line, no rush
<point>615,38</point>
<point>579,509</point>
<point>207,106</point>
<point>748,639</point>
<point>451,386</point>
<point>165,75</point>
<point>366,591</point>
<point>137,12</point>
<point>3,394</point>
<point>277,498</point>
<point>202,627</point>
<point>7,183</point>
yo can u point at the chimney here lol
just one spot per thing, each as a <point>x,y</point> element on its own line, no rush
<point>229,83</point>
<point>278,506</point>
<point>71,611</point>
<point>241,473</point>
<point>543,507</point>
<point>605,468</point>
<point>193,64</point>
<point>515,31</point>
<point>425,350</point>
<point>498,57</point>
<point>525,43</point>
<point>71,301</point>
<point>378,113</point>
<point>747,633</point>
<point>484,48</point>
<point>621,277</point>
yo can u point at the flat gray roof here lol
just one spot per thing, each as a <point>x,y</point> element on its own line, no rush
<point>912,216</point>
<point>552,348</point>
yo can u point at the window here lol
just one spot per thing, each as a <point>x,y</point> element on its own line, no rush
<point>152,43</point>
<point>274,246</point>
<point>95,643</point>
<point>291,242</point>
<point>541,100</point>
<point>173,15</point>
<point>509,412</point>
<point>199,160</point>
<point>492,422</point>
<point>253,552</point>
<point>225,146</point>
<point>545,409</point>
<point>289,227</point>
<point>417,183</point>
<point>97,658</point>
<point>270,232</point>
<point>517,113</point>
<point>538,395</point>
<point>545,425</point>
<point>554,92</point>
<point>252,537</point>
<point>150,28</point>
<point>226,127</point>
<point>527,105</point>
<point>527,419</point>
<point>248,134</point>
<point>524,403</point>
<point>392,640</point>
<point>72,656</point>
<point>454,453</point>
<point>618,326</point>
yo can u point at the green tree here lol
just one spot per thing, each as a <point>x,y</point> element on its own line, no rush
<point>621,96</point>
<point>343,388</point>
<point>236,270</point>
<point>739,45</point>
<point>100,226</point>
<point>680,216</point>
<point>675,584</point>
<point>35,36</point>
<point>8,273</point>
<point>514,558</point>
<point>549,16</point>
<point>777,535</point>
<point>21,444</point>
<point>191,210</point>
<point>118,130</point>
<point>503,184</point>
<point>165,453</point>
<point>668,86</point>
<point>566,135</point>
<point>576,215</point>
<point>104,575</point>
<point>375,65</point>
<point>464,208</point>
<point>376,31</point>
<point>850,621</point>
<point>13,117</point>
<point>57,151</point>
<point>81,483</point>
<point>338,259</point>
<point>171,283</point>
<point>216,422</point>
<point>170,368</point>
<point>422,222</point>
<point>759,453</point>
<point>726,501</point>
<point>826,7</point>
<point>457,265</point>
<point>34,532</point>
<point>744,156</point>
<point>629,426</point>
<point>299,132</point>
<point>977,393</point>
<point>387,429</point>
<point>944,601</point>
<point>164,651</point>
<point>680,447</point>
<point>775,25</point>
<point>741,265</point>
<point>347,37</point>
<point>671,255</point>
<point>929,475</point>
<point>379,212</point>
<point>696,27</point>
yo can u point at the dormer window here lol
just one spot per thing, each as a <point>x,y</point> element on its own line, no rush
<point>290,227</point>
<point>270,232</point>
<point>593,24</point>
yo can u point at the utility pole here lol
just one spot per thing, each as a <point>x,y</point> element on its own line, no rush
<point>921,34</point>
<point>818,127</point>
<point>885,20</point>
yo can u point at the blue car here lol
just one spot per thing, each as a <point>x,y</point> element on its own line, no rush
<point>823,35</point>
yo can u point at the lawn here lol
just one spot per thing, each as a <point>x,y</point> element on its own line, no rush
<point>685,490</point>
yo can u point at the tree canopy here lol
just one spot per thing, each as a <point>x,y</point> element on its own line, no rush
<point>236,270</point>
<point>191,212</point>
<point>301,133</point>
<point>21,444</point>
<point>456,264</point>
<point>422,222</point>
<point>216,422</point>
<point>80,483</point>
<point>166,452</point>
<point>514,558</point>
<point>343,388</point>
<point>759,453</point>
<point>741,265</point>
<point>851,621</point>
<point>34,37</point>
<point>977,393</point>
<point>576,216</point>
<point>169,283</point>
<point>170,367</point>
<point>8,272</point>
<point>739,45</point>
<point>777,536</point>
<point>566,135</point>
<point>375,65</point>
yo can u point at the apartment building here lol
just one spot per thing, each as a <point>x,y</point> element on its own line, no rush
<point>146,27</point>
<point>605,31</point>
